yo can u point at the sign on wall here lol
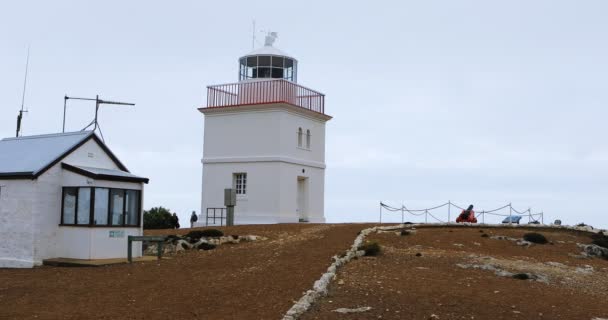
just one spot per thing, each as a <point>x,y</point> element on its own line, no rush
<point>117,234</point>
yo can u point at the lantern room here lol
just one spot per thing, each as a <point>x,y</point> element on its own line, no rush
<point>268,62</point>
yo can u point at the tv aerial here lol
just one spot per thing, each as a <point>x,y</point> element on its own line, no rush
<point>23,110</point>
<point>98,103</point>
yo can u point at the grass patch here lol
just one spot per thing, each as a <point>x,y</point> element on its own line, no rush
<point>371,248</point>
<point>535,238</point>
<point>207,233</point>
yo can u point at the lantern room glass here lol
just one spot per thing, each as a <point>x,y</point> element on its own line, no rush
<point>269,67</point>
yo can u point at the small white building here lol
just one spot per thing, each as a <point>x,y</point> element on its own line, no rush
<point>65,196</point>
<point>265,137</point>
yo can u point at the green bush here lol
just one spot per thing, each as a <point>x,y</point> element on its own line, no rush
<point>601,242</point>
<point>158,218</point>
<point>207,233</point>
<point>206,246</point>
<point>371,248</point>
<point>535,238</point>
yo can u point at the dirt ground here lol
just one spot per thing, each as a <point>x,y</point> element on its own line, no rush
<point>257,280</point>
<point>262,280</point>
<point>398,284</point>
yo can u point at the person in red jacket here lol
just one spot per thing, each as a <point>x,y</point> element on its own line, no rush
<point>467,215</point>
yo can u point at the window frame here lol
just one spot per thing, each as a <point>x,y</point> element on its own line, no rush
<point>308,138</point>
<point>108,224</point>
<point>243,183</point>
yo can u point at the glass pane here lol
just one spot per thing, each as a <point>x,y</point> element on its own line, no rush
<point>84,205</point>
<point>288,63</point>
<point>277,62</point>
<point>101,206</point>
<point>69,205</point>
<point>264,72</point>
<point>252,61</point>
<point>250,72</point>
<point>277,73</point>
<point>117,206</point>
<point>132,209</point>
<point>264,61</point>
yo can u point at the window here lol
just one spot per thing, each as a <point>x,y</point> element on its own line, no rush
<point>69,205</point>
<point>300,137</point>
<point>117,206</point>
<point>100,212</point>
<point>101,207</point>
<point>307,139</point>
<point>240,183</point>
<point>83,213</point>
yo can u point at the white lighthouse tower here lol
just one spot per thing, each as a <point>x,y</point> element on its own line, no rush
<point>264,137</point>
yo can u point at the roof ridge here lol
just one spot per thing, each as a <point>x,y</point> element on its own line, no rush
<point>49,135</point>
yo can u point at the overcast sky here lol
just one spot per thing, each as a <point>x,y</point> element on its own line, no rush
<point>483,102</point>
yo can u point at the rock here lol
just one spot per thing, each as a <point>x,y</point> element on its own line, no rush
<point>355,310</point>
<point>418,254</point>
<point>593,250</point>
<point>586,270</point>
<point>555,264</point>
<point>433,317</point>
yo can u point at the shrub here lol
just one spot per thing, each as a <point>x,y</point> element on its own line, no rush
<point>405,233</point>
<point>521,276</point>
<point>485,235</point>
<point>601,242</point>
<point>599,236</point>
<point>371,248</point>
<point>207,233</point>
<point>535,238</point>
<point>206,246</point>
<point>158,218</point>
<point>418,254</point>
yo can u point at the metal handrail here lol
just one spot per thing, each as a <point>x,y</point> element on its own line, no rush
<point>265,92</point>
<point>222,216</point>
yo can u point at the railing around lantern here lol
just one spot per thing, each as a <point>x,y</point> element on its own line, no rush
<point>263,92</point>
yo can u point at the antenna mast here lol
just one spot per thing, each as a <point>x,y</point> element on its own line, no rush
<point>20,116</point>
<point>98,102</point>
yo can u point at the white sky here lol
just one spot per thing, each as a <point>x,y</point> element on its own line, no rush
<point>483,102</point>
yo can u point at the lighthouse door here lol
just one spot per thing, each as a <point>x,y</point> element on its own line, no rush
<point>302,200</point>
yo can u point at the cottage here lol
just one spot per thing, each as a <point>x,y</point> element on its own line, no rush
<point>65,196</point>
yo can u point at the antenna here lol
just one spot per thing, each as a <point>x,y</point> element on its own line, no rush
<point>20,116</point>
<point>98,102</point>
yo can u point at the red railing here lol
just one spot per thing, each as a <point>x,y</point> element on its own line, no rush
<point>265,92</point>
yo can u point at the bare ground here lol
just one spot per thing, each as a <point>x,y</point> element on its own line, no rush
<point>261,280</point>
<point>400,285</point>
<point>258,280</point>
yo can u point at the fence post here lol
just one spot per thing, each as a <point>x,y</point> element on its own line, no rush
<point>542,218</point>
<point>483,217</point>
<point>380,212</point>
<point>426,216</point>
<point>449,211</point>
<point>510,214</point>
<point>402,215</point>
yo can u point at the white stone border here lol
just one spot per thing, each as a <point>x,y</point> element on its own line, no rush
<point>319,288</point>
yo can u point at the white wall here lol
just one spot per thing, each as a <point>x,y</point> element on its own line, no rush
<point>263,143</point>
<point>16,232</point>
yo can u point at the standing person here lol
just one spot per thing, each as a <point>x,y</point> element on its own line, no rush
<point>193,219</point>
<point>175,221</point>
<point>467,215</point>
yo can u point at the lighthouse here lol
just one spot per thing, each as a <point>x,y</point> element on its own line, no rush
<point>264,137</point>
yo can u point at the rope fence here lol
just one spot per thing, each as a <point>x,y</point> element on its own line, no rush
<point>532,217</point>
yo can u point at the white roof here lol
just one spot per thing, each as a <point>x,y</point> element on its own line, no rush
<point>268,51</point>
<point>32,155</point>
